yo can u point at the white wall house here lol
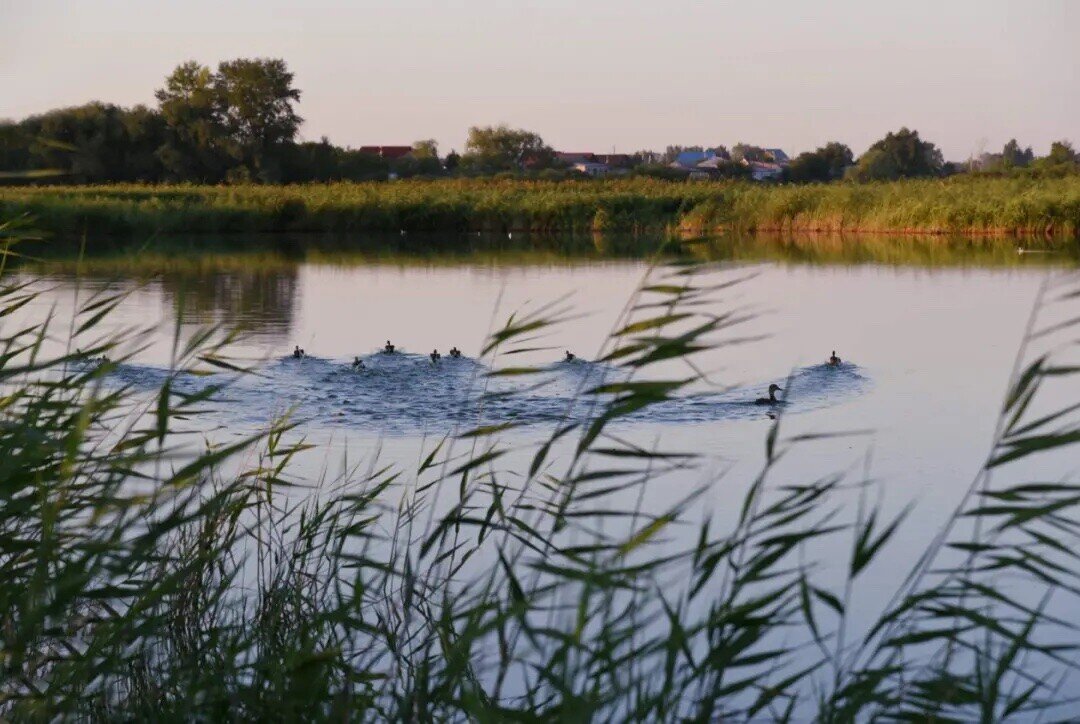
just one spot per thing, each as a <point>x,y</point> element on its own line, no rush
<point>760,171</point>
<point>590,168</point>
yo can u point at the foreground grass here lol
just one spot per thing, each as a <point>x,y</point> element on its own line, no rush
<point>962,204</point>
<point>142,577</point>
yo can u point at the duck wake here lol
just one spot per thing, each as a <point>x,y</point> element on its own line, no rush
<point>405,393</point>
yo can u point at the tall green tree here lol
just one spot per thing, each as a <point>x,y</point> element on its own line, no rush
<point>196,146</point>
<point>501,148</point>
<point>254,99</point>
<point>452,161</point>
<point>1014,156</point>
<point>428,148</point>
<point>899,155</point>
<point>827,163</point>
<point>1062,152</point>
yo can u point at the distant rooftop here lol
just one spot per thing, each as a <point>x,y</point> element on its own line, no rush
<point>390,152</point>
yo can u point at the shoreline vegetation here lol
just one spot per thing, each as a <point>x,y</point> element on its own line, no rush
<point>966,206</point>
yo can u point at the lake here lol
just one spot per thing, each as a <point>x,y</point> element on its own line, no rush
<point>928,338</point>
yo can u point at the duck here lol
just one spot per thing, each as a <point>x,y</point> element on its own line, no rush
<point>357,363</point>
<point>455,352</point>
<point>771,399</point>
<point>435,356</point>
<point>834,361</point>
<point>389,348</point>
<point>570,356</point>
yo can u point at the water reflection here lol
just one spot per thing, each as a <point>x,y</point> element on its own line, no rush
<point>256,283</point>
<point>260,301</point>
<point>207,253</point>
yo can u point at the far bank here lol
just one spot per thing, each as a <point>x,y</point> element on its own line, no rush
<point>965,205</point>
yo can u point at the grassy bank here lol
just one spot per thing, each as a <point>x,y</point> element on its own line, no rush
<point>960,205</point>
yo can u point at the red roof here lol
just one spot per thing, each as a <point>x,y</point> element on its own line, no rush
<point>615,159</point>
<point>387,151</point>
<point>575,156</point>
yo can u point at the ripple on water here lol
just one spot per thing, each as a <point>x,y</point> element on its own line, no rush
<point>403,393</point>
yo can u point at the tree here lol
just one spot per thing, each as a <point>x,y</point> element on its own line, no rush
<point>428,148</point>
<point>423,161</point>
<point>899,155</point>
<point>1062,159</point>
<point>452,161</point>
<point>827,163</point>
<point>255,100</point>
<point>501,148</point>
<point>745,152</point>
<point>310,161</point>
<point>874,165</point>
<point>1013,156</point>
<point>1062,153</point>
<point>196,146</point>
<point>234,123</point>
<point>90,143</point>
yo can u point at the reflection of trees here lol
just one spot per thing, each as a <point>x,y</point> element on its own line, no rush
<point>260,301</point>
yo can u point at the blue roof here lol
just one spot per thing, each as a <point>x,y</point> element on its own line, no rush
<point>693,158</point>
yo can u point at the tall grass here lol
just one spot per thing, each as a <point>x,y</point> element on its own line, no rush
<point>965,204</point>
<point>150,573</point>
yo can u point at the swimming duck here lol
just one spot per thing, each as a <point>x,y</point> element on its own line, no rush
<point>435,356</point>
<point>357,363</point>
<point>834,361</point>
<point>570,356</point>
<point>771,399</point>
<point>389,348</point>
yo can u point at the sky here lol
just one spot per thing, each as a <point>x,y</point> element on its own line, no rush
<point>587,75</point>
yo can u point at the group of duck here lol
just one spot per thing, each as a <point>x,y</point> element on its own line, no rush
<point>435,356</point>
<point>455,353</point>
<point>833,361</point>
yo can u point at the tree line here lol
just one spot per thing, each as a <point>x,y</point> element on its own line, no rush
<point>238,123</point>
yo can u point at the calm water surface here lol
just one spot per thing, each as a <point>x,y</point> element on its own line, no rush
<point>927,353</point>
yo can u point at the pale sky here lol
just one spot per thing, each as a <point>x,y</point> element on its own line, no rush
<point>588,75</point>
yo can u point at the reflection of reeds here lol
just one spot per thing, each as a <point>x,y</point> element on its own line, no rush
<point>268,253</point>
<point>967,205</point>
<point>141,578</point>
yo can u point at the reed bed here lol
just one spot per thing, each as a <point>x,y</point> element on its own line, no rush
<point>146,573</point>
<point>959,205</point>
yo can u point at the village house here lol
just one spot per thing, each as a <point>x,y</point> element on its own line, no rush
<point>765,170</point>
<point>616,160</point>
<point>594,164</point>
<point>689,160</point>
<point>390,153</point>
<point>777,156</point>
<point>573,158</point>
<point>592,168</point>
